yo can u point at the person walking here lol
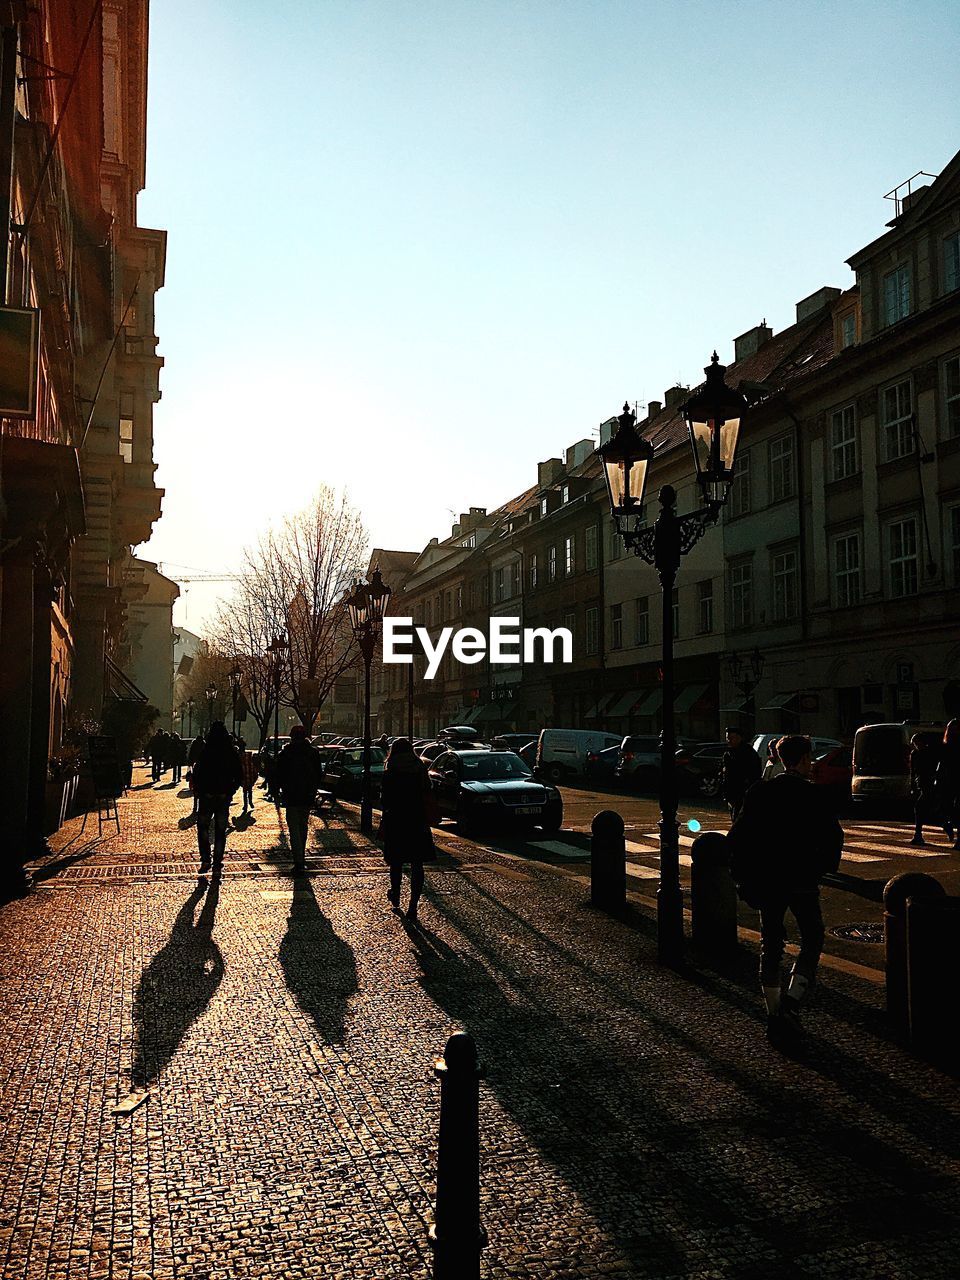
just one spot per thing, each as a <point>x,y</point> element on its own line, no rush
<point>948,781</point>
<point>924,758</point>
<point>193,755</point>
<point>739,770</point>
<point>155,752</point>
<point>773,768</point>
<point>784,840</point>
<point>173,754</point>
<point>405,826</point>
<point>296,776</point>
<point>249,771</point>
<point>216,776</point>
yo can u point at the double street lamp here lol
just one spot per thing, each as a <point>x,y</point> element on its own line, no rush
<point>236,679</point>
<point>366,605</point>
<point>277,648</point>
<point>713,415</point>
<point>190,706</point>
<point>746,676</point>
<point>211,692</point>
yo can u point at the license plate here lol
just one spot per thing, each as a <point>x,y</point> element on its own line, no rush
<point>528,808</point>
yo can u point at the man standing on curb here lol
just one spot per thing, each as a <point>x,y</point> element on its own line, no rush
<point>781,845</point>
<point>739,770</point>
<point>298,774</point>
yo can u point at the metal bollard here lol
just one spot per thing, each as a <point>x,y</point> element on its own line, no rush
<point>457,1237</point>
<point>933,967</point>
<point>608,862</point>
<point>912,884</point>
<point>713,896</point>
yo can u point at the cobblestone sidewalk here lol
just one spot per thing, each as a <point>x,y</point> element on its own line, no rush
<point>634,1123</point>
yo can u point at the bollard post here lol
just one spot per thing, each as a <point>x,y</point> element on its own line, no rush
<point>933,967</point>
<point>713,896</point>
<point>912,884</point>
<point>608,862</point>
<point>457,1237</point>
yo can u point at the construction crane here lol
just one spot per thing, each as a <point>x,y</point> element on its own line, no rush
<point>198,575</point>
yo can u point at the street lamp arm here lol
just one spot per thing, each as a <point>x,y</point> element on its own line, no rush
<point>664,543</point>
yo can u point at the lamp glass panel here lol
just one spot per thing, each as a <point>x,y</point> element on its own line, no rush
<point>626,481</point>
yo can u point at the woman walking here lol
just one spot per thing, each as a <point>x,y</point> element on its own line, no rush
<point>948,781</point>
<point>405,826</point>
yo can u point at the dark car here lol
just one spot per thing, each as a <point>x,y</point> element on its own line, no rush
<point>457,733</point>
<point>493,787</point>
<point>528,754</point>
<point>698,766</point>
<point>834,770</point>
<point>343,772</point>
<point>601,765</point>
<point>514,741</point>
<point>638,760</point>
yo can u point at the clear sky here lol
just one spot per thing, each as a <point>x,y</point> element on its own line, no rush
<point>417,246</point>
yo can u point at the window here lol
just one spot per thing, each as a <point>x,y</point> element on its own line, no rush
<point>543,505</point>
<point>896,295</point>
<point>902,559</point>
<point>705,606</point>
<point>569,556</point>
<point>616,626</point>
<point>846,570</point>
<point>951,262</point>
<point>642,621</point>
<point>951,401</point>
<point>785,584</point>
<point>126,426</point>
<point>498,586</point>
<point>954,531</point>
<point>439,613</point>
<point>741,594</point>
<point>593,630</point>
<point>570,622</point>
<point>781,468</point>
<point>848,329</point>
<point>740,496</point>
<point>449,605</point>
<point>616,543</point>
<point>590,543</point>
<point>897,421</point>
<point>534,570</point>
<point>459,600</point>
<point>565,494</point>
<point>552,564</point>
<point>843,443</point>
<point>675,610</point>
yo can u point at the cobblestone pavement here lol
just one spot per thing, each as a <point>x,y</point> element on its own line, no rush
<point>634,1122</point>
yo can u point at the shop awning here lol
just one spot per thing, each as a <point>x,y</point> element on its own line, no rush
<point>597,709</point>
<point>651,703</point>
<point>687,697</point>
<point>120,685</point>
<point>737,709</point>
<point>781,702</point>
<point>625,703</point>
<point>487,714</point>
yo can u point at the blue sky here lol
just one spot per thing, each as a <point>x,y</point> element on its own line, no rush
<point>415,248</point>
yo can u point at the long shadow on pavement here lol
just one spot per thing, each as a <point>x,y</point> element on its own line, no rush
<point>318,966</point>
<point>684,1139</point>
<point>177,985</point>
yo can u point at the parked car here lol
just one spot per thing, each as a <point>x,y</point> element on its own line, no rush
<point>459,733</point>
<point>638,760</point>
<point>562,753</point>
<point>513,741</point>
<point>343,773</point>
<point>266,751</point>
<point>600,765</point>
<point>881,761</point>
<point>493,787</point>
<point>818,746</point>
<point>699,766</point>
<point>528,754</point>
<point>834,769</point>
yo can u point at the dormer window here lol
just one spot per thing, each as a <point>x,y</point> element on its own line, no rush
<point>543,505</point>
<point>565,494</point>
<point>848,330</point>
<point>896,295</point>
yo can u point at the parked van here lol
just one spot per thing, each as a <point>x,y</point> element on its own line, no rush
<point>562,753</point>
<point>881,761</point>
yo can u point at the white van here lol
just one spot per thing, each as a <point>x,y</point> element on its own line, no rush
<point>562,753</point>
<point>881,760</point>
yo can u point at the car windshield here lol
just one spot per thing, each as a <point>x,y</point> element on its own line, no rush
<point>641,744</point>
<point>355,755</point>
<point>493,766</point>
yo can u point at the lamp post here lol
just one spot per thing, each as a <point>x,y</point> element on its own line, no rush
<point>190,705</point>
<point>713,415</point>
<point>211,692</point>
<point>276,649</point>
<point>236,679</point>
<point>746,678</point>
<point>366,605</point>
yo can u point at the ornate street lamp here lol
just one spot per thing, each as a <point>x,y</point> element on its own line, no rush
<point>366,605</point>
<point>211,692</point>
<point>746,678</point>
<point>236,679</point>
<point>190,705</point>
<point>277,648</point>
<point>713,415</point>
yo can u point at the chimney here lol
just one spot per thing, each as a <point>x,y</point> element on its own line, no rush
<point>818,301</point>
<point>455,531</point>
<point>675,395</point>
<point>750,342</point>
<point>578,453</point>
<point>478,511</point>
<point>548,472</point>
<point>653,408</point>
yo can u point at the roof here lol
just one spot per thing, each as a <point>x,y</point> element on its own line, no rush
<point>393,564</point>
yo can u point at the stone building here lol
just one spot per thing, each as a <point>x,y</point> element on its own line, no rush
<point>151,637</point>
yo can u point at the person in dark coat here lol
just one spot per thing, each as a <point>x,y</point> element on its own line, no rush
<point>216,776</point>
<point>739,770</point>
<point>924,758</point>
<point>405,826</point>
<point>298,774</point>
<point>155,752</point>
<point>785,839</point>
<point>173,756</point>
<point>250,770</point>
<point>193,755</point>
<point>948,781</point>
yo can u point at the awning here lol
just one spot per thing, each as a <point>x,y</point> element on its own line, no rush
<point>651,703</point>
<point>624,704</point>
<point>471,716</point>
<point>739,709</point>
<point>597,709</point>
<point>780,701</point>
<point>487,713</point>
<point>687,697</point>
<point>119,685</point>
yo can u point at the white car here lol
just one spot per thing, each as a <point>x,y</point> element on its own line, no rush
<point>562,753</point>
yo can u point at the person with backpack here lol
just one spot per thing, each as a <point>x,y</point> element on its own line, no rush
<point>296,777</point>
<point>785,839</point>
<point>216,776</point>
